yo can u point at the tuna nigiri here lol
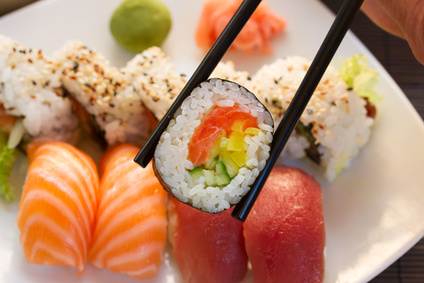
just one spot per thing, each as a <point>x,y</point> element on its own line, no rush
<point>58,204</point>
<point>285,241</point>
<point>130,232</point>
<point>255,35</point>
<point>207,247</point>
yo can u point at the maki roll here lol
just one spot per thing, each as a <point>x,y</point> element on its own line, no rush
<point>31,96</point>
<point>33,105</point>
<point>337,121</point>
<point>107,105</point>
<point>153,76</point>
<point>215,146</point>
<point>226,71</point>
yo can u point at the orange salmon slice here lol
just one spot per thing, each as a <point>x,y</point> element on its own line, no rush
<point>130,232</point>
<point>220,120</point>
<point>58,204</point>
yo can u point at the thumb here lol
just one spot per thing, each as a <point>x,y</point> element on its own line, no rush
<point>404,18</point>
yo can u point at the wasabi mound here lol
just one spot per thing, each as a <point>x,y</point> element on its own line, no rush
<point>139,24</point>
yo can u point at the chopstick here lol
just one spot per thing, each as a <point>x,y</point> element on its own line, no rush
<point>314,74</point>
<point>202,73</point>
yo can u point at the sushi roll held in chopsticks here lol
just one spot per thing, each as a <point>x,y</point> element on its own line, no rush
<point>215,146</point>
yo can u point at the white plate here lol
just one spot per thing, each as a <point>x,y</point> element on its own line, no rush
<point>373,212</point>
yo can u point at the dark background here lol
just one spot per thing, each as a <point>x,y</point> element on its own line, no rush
<point>396,57</point>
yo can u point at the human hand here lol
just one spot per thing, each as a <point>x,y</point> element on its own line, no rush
<point>403,18</point>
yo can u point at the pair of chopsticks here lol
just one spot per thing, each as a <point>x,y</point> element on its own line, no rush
<point>314,74</point>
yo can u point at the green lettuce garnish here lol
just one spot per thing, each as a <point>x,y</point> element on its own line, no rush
<point>360,77</point>
<point>8,156</point>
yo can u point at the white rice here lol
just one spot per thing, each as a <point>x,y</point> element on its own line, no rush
<point>339,121</point>
<point>153,76</point>
<point>227,71</point>
<point>30,87</point>
<point>104,91</point>
<point>171,155</point>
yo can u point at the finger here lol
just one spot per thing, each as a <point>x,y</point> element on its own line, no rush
<point>381,18</point>
<point>409,17</point>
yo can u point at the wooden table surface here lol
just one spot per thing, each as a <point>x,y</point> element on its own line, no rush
<point>394,54</point>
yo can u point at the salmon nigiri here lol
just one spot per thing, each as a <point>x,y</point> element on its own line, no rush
<point>130,232</point>
<point>58,204</point>
<point>207,247</point>
<point>285,233</point>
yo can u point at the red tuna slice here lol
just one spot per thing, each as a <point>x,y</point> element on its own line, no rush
<point>284,233</point>
<point>207,247</point>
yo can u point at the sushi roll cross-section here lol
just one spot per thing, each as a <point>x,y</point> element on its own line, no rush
<point>215,146</point>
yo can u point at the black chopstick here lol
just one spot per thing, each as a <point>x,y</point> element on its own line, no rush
<point>201,74</point>
<point>314,74</point>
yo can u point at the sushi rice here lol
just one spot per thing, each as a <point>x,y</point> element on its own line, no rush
<point>117,98</point>
<point>227,71</point>
<point>105,94</point>
<point>336,114</point>
<point>31,89</point>
<point>153,76</point>
<point>171,155</point>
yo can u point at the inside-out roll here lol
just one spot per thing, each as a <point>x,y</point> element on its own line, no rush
<point>215,146</point>
<point>31,92</point>
<point>336,123</point>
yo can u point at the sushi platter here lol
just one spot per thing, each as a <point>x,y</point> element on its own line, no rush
<point>372,210</point>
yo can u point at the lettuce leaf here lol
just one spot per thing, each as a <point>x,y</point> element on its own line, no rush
<point>360,77</point>
<point>8,156</point>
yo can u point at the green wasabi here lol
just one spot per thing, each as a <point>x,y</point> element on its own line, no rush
<point>139,24</point>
